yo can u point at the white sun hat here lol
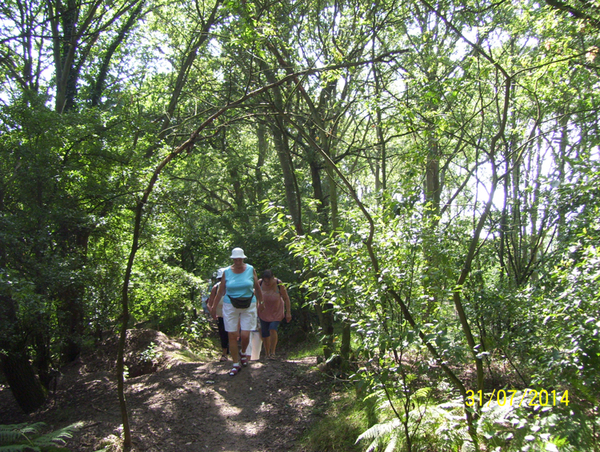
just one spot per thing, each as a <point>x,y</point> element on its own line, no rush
<point>238,253</point>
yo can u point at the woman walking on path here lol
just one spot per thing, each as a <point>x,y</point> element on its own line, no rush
<point>239,305</point>
<point>215,306</point>
<point>273,310</point>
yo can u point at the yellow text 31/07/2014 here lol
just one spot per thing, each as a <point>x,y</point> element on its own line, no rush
<point>512,397</point>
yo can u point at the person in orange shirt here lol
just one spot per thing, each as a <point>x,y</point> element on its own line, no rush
<point>275,308</point>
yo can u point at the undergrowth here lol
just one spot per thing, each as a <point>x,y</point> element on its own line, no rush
<point>340,421</point>
<point>308,348</point>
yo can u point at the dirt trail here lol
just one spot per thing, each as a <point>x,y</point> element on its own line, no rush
<point>187,406</point>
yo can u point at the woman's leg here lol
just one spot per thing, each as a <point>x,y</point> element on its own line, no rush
<point>245,341</point>
<point>231,319</point>
<point>267,345</point>
<point>248,318</point>
<point>233,347</point>
<point>274,337</point>
<point>264,335</point>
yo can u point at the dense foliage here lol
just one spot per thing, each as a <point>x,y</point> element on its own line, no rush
<point>423,175</point>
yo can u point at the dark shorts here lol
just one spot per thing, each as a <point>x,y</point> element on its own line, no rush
<point>266,327</point>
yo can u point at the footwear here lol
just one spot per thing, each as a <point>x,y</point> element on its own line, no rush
<point>244,360</point>
<point>223,358</point>
<point>235,370</point>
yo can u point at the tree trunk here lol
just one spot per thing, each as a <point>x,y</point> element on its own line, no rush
<point>328,317</point>
<point>72,238</point>
<point>327,329</point>
<point>381,161</point>
<point>560,161</point>
<point>42,362</point>
<point>98,87</point>
<point>15,363</point>
<point>432,209</point>
<point>289,179</point>
<point>318,194</point>
<point>263,148</point>
<point>282,146</point>
<point>26,388</point>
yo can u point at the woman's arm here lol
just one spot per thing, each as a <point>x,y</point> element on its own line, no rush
<point>212,298</point>
<point>221,292</point>
<point>288,304</point>
<point>257,289</point>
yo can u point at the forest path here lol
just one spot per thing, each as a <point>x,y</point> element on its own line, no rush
<point>192,406</point>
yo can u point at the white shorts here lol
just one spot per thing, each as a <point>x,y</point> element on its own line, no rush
<point>247,318</point>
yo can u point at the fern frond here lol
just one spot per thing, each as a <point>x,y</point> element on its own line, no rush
<point>374,395</point>
<point>455,404</point>
<point>495,412</point>
<point>422,393</point>
<point>26,437</point>
<point>14,434</point>
<point>19,448</point>
<point>34,428</point>
<point>392,444</point>
<point>372,446</point>
<point>58,436</point>
<point>380,430</point>
<point>9,436</point>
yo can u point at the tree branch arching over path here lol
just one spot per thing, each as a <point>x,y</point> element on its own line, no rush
<point>187,146</point>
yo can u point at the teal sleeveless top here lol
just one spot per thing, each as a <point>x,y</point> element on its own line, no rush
<point>239,284</point>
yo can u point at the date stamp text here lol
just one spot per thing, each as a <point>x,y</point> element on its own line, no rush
<point>512,397</point>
